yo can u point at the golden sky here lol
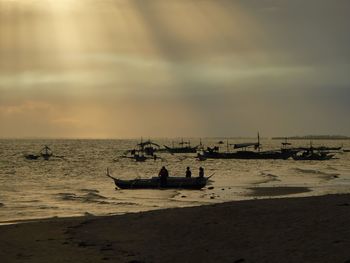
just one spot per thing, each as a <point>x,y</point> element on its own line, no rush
<point>161,68</point>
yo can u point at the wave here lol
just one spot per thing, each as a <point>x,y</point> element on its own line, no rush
<point>89,190</point>
<point>269,175</point>
<point>269,178</point>
<point>90,197</point>
<point>310,171</point>
<point>93,196</point>
<point>43,207</point>
<point>332,168</point>
<point>68,196</point>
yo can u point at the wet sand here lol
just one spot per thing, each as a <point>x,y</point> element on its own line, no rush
<point>311,229</point>
<point>277,191</point>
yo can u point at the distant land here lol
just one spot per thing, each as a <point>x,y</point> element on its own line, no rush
<point>314,137</point>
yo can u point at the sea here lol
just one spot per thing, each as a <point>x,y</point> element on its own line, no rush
<point>74,181</point>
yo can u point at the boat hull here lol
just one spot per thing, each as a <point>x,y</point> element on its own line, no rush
<point>313,158</point>
<point>155,183</point>
<point>247,155</point>
<point>181,149</point>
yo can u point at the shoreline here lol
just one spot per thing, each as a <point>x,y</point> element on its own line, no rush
<point>300,229</point>
<point>255,193</point>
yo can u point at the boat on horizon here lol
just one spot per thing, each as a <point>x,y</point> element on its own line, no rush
<point>143,151</point>
<point>184,147</point>
<point>46,153</point>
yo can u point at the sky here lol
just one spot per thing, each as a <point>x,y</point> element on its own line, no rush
<point>180,68</point>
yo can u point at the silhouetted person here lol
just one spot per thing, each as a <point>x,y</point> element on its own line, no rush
<point>201,172</point>
<point>163,174</point>
<point>188,172</point>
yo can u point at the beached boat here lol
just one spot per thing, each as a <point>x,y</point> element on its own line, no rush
<point>194,183</point>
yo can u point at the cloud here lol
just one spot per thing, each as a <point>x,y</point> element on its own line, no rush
<point>163,68</point>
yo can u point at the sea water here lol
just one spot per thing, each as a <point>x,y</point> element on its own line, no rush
<point>73,183</point>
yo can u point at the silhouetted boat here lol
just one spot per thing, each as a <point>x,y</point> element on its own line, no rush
<point>185,147</point>
<point>309,154</point>
<point>243,153</point>
<point>148,147</point>
<point>194,183</point>
<point>31,156</point>
<point>46,153</point>
<point>143,151</point>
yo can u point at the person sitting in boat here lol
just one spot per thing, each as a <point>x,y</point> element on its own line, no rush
<point>188,172</point>
<point>201,172</point>
<point>163,174</point>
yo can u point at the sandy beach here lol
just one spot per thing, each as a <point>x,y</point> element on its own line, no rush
<point>311,229</point>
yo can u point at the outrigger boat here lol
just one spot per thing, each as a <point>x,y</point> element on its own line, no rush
<point>185,147</point>
<point>243,153</point>
<point>313,156</point>
<point>192,183</point>
<point>309,154</point>
<point>148,147</point>
<point>143,151</point>
<point>316,153</point>
<point>46,153</point>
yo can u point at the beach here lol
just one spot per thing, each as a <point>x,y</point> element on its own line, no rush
<point>303,229</point>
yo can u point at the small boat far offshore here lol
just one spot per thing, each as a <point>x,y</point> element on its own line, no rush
<point>185,147</point>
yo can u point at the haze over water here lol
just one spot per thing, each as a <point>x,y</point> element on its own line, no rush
<point>77,185</point>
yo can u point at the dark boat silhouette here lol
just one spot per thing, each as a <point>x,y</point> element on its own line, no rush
<point>31,156</point>
<point>315,156</point>
<point>320,153</point>
<point>192,183</point>
<point>46,153</point>
<point>242,152</point>
<point>143,151</point>
<point>185,147</point>
<point>309,154</point>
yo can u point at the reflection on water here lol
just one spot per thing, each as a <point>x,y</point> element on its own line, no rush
<point>76,184</point>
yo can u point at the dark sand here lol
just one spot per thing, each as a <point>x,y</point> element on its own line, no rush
<point>312,229</point>
<point>277,191</point>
